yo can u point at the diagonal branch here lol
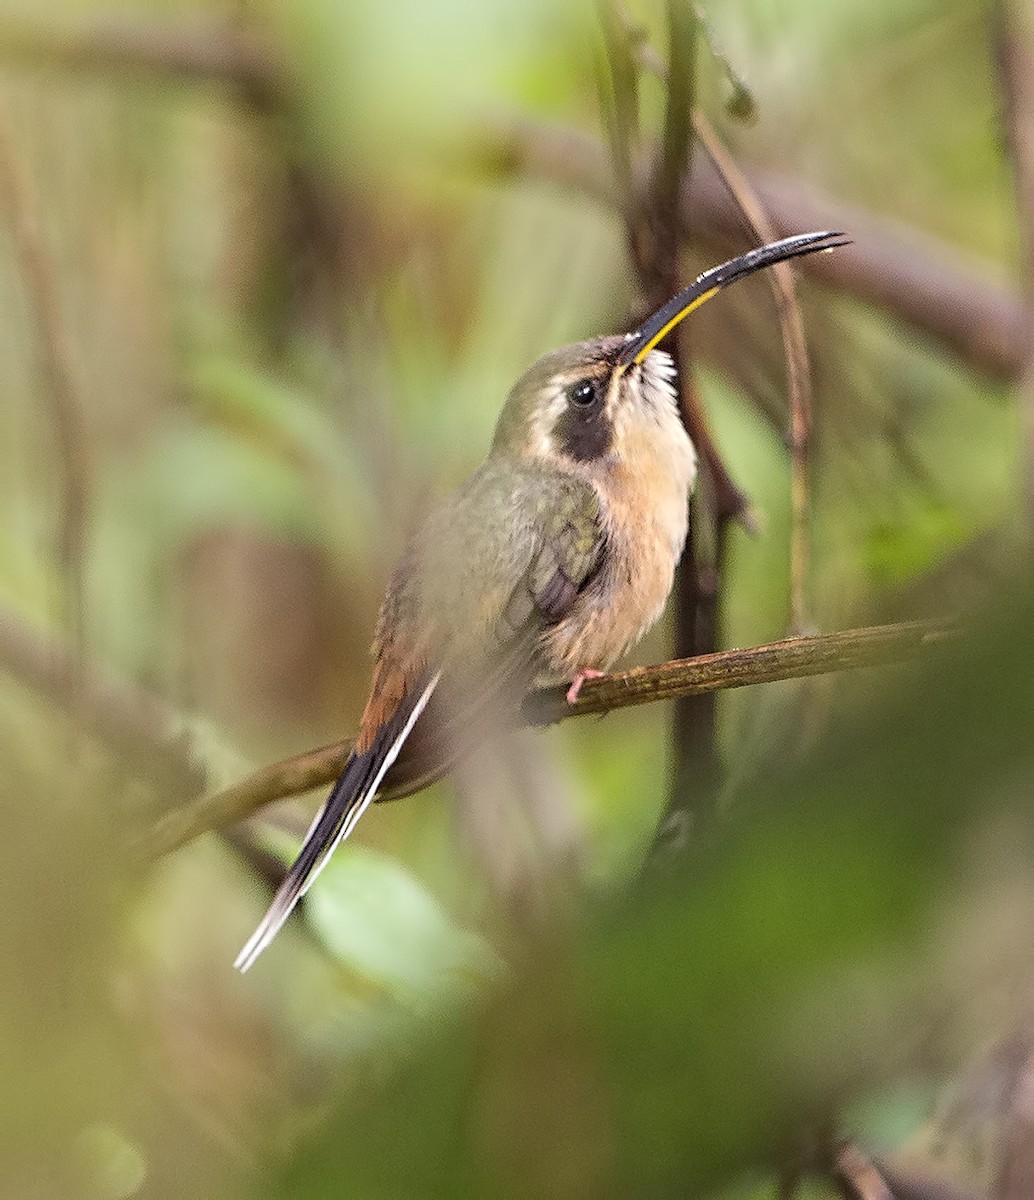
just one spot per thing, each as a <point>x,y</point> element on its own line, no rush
<point>798,370</point>
<point>115,711</point>
<point>905,273</point>
<point>857,1176</point>
<point>792,658</point>
<point>795,349</point>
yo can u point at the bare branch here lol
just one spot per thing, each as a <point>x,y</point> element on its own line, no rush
<point>655,228</point>
<point>619,101</point>
<point>116,712</point>
<point>798,370</point>
<point>675,153</point>
<point>292,777</point>
<point>186,52</point>
<point>792,658</point>
<point>905,273</point>
<point>910,276</point>
<point>857,1175</point>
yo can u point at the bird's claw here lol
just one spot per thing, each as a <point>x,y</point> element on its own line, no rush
<point>579,679</point>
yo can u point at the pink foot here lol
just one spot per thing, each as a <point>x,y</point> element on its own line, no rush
<point>579,679</point>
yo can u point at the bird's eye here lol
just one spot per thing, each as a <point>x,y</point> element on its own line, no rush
<point>582,393</point>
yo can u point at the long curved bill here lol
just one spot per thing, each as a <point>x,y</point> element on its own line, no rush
<point>709,284</point>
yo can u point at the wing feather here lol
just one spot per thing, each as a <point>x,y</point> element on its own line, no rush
<point>549,535</point>
<point>348,800</point>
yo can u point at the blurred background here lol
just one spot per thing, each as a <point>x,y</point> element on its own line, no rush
<point>267,271</point>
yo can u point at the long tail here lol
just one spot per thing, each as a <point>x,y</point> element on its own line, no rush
<point>342,809</point>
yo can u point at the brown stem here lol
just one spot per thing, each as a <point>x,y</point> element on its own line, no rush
<point>902,272</point>
<point>696,773</point>
<point>619,102</point>
<point>857,1176</point>
<point>798,370</point>
<point>674,155</point>
<point>792,658</point>
<point>906,274</point>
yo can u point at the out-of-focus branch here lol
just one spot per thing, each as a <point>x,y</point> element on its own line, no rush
<point>123,716</point>
<point>618,85</point>
<point>792,658</point>
<point>655,228</point>
<point>798,369</point>
<point>857,1176</point>
<point>291,777</point>
<point>674,155</point>
<point>191,52</point>
<point>660,224</point>
<point>908,1184</point>
<point>1016,67</point>
<point>905,273</point>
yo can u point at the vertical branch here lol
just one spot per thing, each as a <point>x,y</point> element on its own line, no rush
<point>798,370</point>
<point>696,767</point>
<point>672,164</point>
<point>619,102</point>
<point>658,226</point>
<point>21,203</point>
<point>656,229</point>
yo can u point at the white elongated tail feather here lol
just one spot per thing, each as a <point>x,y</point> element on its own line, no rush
<point>348,800</point>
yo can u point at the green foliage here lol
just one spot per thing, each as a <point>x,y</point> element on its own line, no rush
<point>793,959</point>
<point>287,335</point>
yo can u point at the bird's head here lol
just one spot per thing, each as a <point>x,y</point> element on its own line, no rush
<point>578,404</point>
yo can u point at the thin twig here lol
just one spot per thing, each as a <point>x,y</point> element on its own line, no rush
<point>798,370</point>
<point>618,86</point>
<point>792,658</point>
<point>22,206</point>
<point>795,349</point>
<point>900,271</point>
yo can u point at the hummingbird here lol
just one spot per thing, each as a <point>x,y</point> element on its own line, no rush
<point>554,558</point>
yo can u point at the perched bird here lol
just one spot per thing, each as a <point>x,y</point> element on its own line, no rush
<point>555,556</point>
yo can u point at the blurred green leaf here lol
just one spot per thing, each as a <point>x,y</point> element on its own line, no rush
<point>375,917</point>
<point>735,1001</point>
